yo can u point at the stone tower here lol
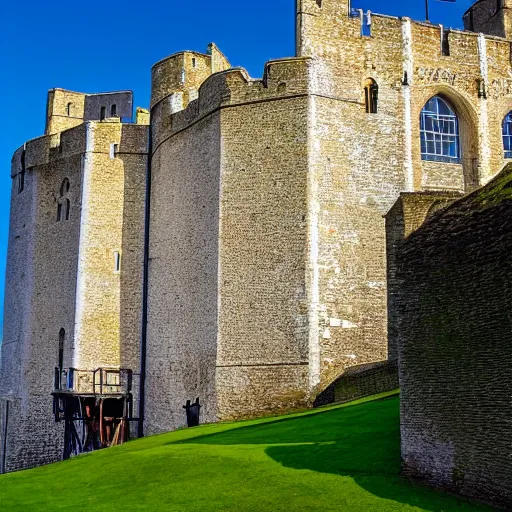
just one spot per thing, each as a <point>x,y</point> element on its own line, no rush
<point>75,262</point>
<point>493,17</point>
<point>278,188</point>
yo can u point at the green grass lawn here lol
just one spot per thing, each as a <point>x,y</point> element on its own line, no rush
<point>343,458</point>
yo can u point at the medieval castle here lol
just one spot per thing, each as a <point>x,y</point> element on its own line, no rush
<point>230,244</point>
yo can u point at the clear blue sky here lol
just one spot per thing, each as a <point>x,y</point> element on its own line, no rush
<point>94,46</point>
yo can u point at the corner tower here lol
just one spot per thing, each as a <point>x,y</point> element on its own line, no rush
<point>74,267</point>
<point>492,17</point>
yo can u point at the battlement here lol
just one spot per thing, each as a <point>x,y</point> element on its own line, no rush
<point>320,21</point>
<point>66,109</point>
<point>282,78</point>
<point>132,138</point>
<point>180,75</point>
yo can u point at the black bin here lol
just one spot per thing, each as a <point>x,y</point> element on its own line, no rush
<point>192,413</point>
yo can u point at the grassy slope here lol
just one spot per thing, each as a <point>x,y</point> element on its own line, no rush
<point>343,458</point>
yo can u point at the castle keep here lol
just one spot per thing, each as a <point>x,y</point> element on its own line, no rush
<point>231,245</point>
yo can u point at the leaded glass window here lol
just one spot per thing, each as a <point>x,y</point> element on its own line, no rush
<point>507,135</point>
<point>440,139</point>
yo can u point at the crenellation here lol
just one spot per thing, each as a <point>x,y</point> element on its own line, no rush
<point>179,73</point>
<point>230,88</point>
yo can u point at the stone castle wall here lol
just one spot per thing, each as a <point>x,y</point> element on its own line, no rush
<point>454,345</point>
<point>263,351</point>
<point>409,212</point>
<point>362,161</point>
<point>267,256</point>
<point>490,17</point>
<point>53,265</point>
<point>232,322</point>
<point>67,109</point>
<point>183,280</point>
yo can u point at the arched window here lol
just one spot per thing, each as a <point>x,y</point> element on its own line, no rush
<point>68,108</point>
<point>62,338</point>
<point>371,96</point>
<point>507,135</point>
<point>113,111</point>
<point>440,139</point>
<point>63,202</point>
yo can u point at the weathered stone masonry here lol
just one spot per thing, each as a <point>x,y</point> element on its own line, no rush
<point>454,328</point>
<point>267,276</point>
<point>61,273</point>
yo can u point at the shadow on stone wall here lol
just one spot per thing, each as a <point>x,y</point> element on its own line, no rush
<point>359,382</point>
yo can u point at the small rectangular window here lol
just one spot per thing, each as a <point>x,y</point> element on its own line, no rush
<point>103,113</point>
<point>194,62</point>
<point>114,149</point>
<point>113,111</point>
<point>117,262</point>
<point>445,42</point>
<point>21,181</point>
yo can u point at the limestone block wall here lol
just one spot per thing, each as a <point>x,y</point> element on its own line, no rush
<point>116,104</point>
<point>67,109</point>
<point>362,161</point>
<point>409,212</point>
<point>54,261</point>
<point>177,78</point>
<point>490,17</point>
<point>454,346</point>
<point>64,110</point>
<point>183,276</point>
<point>265,244</point>
<point>227,290</point>
<point>49,263</point>
<point>107,327</point>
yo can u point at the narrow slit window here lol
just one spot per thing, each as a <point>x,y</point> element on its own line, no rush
<point>21,174</point>
<point>117,262</point>
<point>63,202</point>
<point>445,42</point>
<point>67,206</point>
<point>64,188</point>
<point>21,181</point>
<point>113,111</point>
<point>62,338</point>
<point>114,150</point>
<point>194,62</point>
<point>371,96</point>
<point>68,109</point>
<point>103,113</point>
